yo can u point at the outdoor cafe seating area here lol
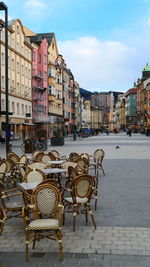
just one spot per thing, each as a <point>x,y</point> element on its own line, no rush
<point>42,188</point>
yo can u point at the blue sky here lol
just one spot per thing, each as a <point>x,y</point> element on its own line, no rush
<point>104,42</point>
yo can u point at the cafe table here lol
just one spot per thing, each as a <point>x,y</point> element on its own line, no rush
<point>28,186</point>
<point>53,171</point>
<point>56,162</point>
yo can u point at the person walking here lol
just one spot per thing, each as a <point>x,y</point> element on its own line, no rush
<point>129,132</point>
<point>3,137</point>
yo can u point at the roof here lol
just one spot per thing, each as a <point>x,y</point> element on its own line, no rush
<point>146,68</point>
<point>40,36</point>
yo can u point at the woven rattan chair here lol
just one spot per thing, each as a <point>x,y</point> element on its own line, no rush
<point>85,156</point>
<point>37,165</point>
<point>81,190</point>
<point>52,156</point>
<point>2,220</point>
<point>82,165</point>
<point>14,157</point>
<point>3,168</point>
<point>97,160</point>
<point>57,155</point>
<point>72,174</point>
<point>12,202</point>
<point>10,176</point>
<point>38,156</point>
<point>35,153</point>
<point>45,158</point>
<point>23,160</point>
<point>46,206</point>
<point>73,156</point>
<point>34,175</point>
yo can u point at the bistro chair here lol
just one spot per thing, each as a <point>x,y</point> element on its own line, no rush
<point>82,165</point>
<point>73,156</point>
<point>34,176</point>
<point>72,174</point>
<point>38,156</point>
<point>57,155</point>
<point>23,160</point>
<point>97,161</point>
<point>37,165</point>
<point>14,157</point>
<point>10,176</point>
<point>46,207</point>
<point>2,220</point>
<point>45,158</point>
<point>81,190</point>
<point>12,202</point>
<point>3,168</point>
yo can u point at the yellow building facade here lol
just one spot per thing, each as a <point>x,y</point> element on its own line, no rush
<point>19,74</point>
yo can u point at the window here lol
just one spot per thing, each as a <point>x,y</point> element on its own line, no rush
<point>13,107</point>
<point>26,72</point>
<point>17,29</point>
<point>52,90</point>
<point>39,58</point>
<point>18,108</point>
<point>33,56</point>
<point>18,67</point>
<point>18,87</point>
<point>22,68</point>
<point>13,43</point>
<point>13,85</point>
<point>30,109</point>
<point>17,46</point>
<point>3,58</point>
<point>29,73</point>
<point>9,38</point>
<point>26,109</point>
<point>45,75</point>
<point>22,89</point>
<point>3,105</point>
<point>3,82</point>
<point>22,50</point>
<point>22,109</point>
<point>3,35</point>
<point>45,59</point>
<point>13,64</point>
<point>52,72</point>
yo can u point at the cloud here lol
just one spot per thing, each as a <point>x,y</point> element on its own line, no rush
<point>97,64</point>
<point>35,4</point>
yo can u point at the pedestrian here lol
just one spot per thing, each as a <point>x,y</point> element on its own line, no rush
<point>129,132</point>
<point>3,137</point>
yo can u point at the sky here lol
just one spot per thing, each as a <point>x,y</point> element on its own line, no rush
<point>105,43</point>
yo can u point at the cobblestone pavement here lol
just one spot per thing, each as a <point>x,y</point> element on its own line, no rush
<point>122,237</point>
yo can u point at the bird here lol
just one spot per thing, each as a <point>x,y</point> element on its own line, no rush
<point>117,146</point>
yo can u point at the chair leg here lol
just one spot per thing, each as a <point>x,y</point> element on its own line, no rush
<point>103,171</point>
<point>1,228</point>
<point>86,216</point>
<point>59,236</point>
<point>34,241</point>
<point>96,203</point>
<point>91,213</point>
<point>74,218</point>
<point>27,245</point>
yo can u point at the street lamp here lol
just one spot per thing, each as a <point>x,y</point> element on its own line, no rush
<point>4,8</point>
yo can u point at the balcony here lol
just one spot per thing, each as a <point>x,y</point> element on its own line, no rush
<point>37,76</point>
<point>51,98</point>
<point>39,88</point>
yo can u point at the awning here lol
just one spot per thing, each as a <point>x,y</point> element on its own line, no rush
<point>13,123</point>
<point>28,123</point>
